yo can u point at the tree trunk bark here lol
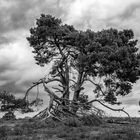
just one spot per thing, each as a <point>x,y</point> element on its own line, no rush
<point>77,92</point>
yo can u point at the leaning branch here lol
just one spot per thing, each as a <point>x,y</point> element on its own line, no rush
<point>113,109</point>
<point>38,83</point>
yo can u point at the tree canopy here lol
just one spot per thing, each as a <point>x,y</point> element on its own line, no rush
<point>108,59</point>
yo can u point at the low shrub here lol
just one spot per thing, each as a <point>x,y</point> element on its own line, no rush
<point>4,131</point>
<point>18,131</point>
<point>131,133</point>
<point>91,120</point>
<point>73,122</point>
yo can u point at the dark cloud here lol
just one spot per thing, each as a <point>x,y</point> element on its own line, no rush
<point>22,13</point>
<point>14,85</point>
<point>6,65</point>
<point>13,16</point>
<point>127,19</point>
<point>11,87</point>
<point>5,40</point>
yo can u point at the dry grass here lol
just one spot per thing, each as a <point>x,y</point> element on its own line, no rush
<point>73,130</point>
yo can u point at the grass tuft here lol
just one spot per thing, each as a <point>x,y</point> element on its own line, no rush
<point>91,120</point>
<point>73,122</point>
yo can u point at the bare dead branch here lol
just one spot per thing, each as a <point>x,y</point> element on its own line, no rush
<point>40,82</point>
<point>57,89</point>
<point>122,110</point>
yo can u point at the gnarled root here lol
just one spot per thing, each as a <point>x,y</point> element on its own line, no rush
<point>61,108</point>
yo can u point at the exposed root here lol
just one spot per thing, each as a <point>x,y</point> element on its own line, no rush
<point>60,111</point>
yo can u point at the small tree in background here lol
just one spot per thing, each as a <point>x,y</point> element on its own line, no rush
<point>10,104</point>
<point>107,59</point>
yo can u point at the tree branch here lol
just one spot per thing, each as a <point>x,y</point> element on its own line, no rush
<point>122,110</point>
<point>40,82</point>
<point>58,90</point>
<point>96,85</point>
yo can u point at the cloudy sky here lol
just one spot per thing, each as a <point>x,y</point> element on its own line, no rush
<point>17,66</point>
